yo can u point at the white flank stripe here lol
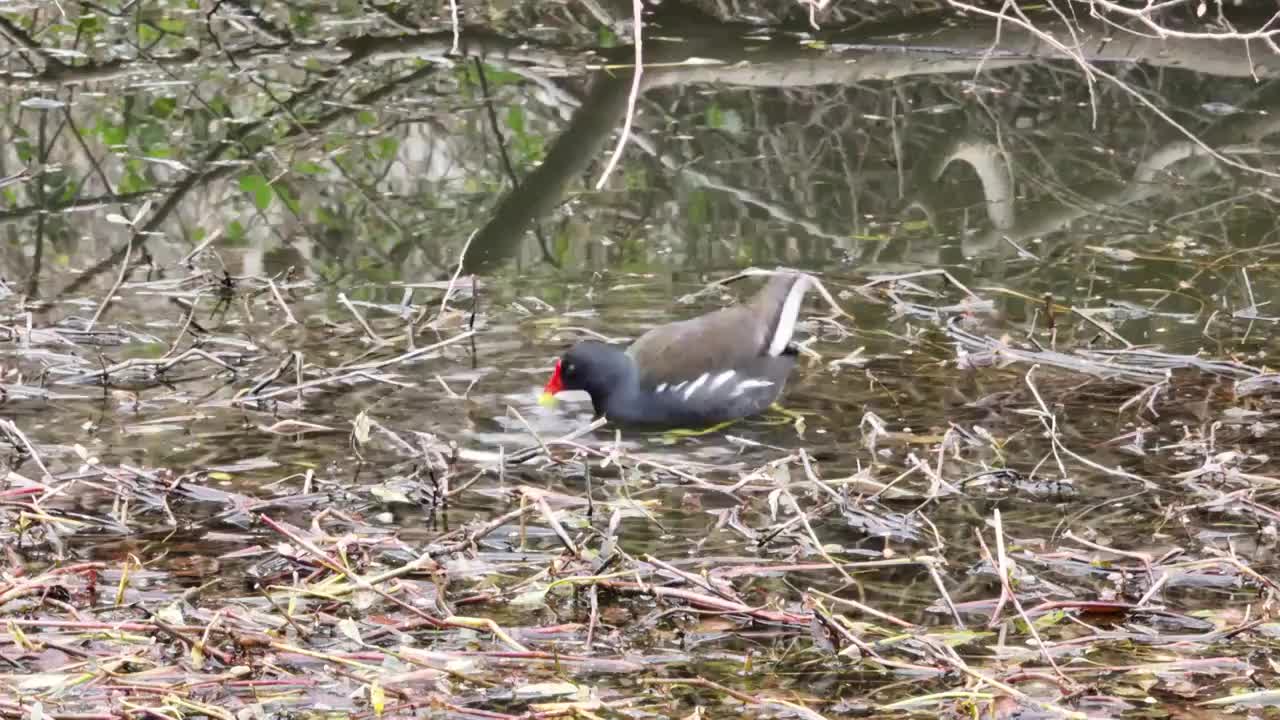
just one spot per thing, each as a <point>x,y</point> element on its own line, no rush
<point>676,388</point>
<point>746,385</point>
<point>660,388</point>
<point>787,318</point>
<point>693,387</point>
<point>721,379</point>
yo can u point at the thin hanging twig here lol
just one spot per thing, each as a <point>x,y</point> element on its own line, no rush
<point>637,11</point>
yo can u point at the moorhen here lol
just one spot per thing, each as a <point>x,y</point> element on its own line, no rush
<point>722,366</point>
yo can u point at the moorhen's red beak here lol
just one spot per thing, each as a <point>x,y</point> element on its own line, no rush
<point>554,385</point>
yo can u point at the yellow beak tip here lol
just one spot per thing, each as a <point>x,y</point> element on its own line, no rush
<point>547,400</point>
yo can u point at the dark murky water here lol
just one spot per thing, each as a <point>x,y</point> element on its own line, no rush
<point>1139,214</point>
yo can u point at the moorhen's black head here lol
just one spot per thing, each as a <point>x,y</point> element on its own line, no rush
<point>595,367</point>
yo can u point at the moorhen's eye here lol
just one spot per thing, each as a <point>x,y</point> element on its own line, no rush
<point>569,368</point>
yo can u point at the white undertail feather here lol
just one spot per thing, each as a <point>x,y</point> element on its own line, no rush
<point>787,318</point>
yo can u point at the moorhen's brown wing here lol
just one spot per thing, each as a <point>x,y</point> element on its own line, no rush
<point>736,337</point>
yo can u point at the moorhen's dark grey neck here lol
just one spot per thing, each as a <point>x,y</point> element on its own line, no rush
<point>603,371</point>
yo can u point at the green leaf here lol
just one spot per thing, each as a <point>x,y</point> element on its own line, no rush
<point>386,147</point>
<point>163,107</point>
<point>366,118</point>
<point>515,119</point>
<point>147,34</point>
<point>697,208</point>
<point>23,147</point>
<point>114,135</point>
<point>715,117</point>
<point>152,134</point>
<point>307,167</point>
<point>288,199</point>
<point>302,20</point>
<point>561,250</point>
<point>259,187</point>
<point>172,25</point>
<point>530,148</point>
<point>1050,619</point>
<point>60,29</point>
<point>327,218</point>
<point>89,25</point>
<point>133,180</point>
<point>637,178</point>
<point>606,37</point>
